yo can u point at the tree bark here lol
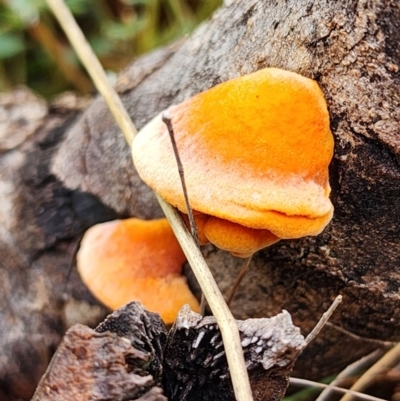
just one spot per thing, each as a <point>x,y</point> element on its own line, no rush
<point>119,360</point>
<point>41,222</point>
<point>351,48</point>
<point>129,356</point>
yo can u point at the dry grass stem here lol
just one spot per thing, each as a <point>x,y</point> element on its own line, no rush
<point>93,67</point>
<point>324,319</point>
<point>351,370</point>
<point>167,121</point>
<point>378,343</point>
<point>351,393</point>
<point>225,320</point>
<point>388,361</point>
<point>239,278</point>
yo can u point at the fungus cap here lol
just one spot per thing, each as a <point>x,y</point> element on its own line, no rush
<point>255,150</point>
<point>125,260</point>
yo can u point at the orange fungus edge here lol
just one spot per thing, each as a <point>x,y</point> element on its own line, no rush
<point>135,260</point>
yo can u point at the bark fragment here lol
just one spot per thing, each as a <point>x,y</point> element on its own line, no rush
<point>128,356</point>
<point>195,363</point>
<point>351,48</point>
<point>97,366</point>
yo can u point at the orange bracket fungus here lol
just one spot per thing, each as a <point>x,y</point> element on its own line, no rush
<point>256,151</point>
<point>125,260</point>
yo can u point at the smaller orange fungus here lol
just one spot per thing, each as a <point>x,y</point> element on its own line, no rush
<point>241,241</point>
<point>126,260</point>
<point>256,151</point>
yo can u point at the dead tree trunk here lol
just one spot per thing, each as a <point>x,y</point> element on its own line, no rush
<point>351,48</point>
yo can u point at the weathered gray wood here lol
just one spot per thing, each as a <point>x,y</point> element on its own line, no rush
<point>121,359</point>
<point>97,366</point>
<point>350,48</point>
<point>128,356</point>
<point>40,223</point>
<point>195,367</point>
<point>145,331</point>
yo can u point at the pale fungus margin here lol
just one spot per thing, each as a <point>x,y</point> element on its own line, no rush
<point>218,306</point>
<point>256,151</point>
<point>315,221</point>
<point>135,260</point>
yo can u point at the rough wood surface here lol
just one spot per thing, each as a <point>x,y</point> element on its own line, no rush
<point>119,360</point>
<point>129,356</point>
<point>351,48</point>
<point>93,366</point>
<point>145,331</point>
<point>40,225</point>
<point>195,366</point>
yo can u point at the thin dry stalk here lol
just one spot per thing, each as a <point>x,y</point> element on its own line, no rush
<point>193,228</point>
<point>57,51</point>
<point>222,314</point>
<point>239,278</point>
<point>378,343</point>
<point>93,67</point>
<point>350,393</point>
<point>324,319</point>
<point>354,369</point>
<point>388,361</point>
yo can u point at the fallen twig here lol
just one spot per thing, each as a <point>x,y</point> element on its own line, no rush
<point>378,343</point>
<point>324,319</point>
<point>362,364</point>
<point>350,393</point>
<point>206,281</point>
<point>390,359</point>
